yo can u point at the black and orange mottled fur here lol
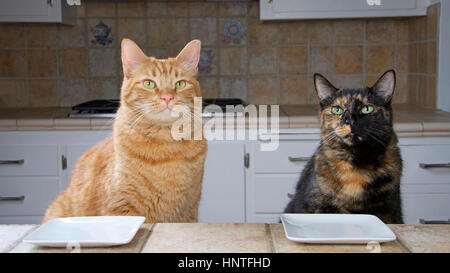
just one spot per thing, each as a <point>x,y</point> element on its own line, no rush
<point>357,166</point>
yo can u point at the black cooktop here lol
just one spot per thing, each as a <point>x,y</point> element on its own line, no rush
<point>107,108</point>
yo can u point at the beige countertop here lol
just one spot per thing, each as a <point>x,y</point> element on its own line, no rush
<point>242,237</point>
<point>409,120</point>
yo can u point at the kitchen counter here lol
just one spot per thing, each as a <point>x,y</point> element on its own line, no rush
<point>243,237</point>
<point>409,120</point>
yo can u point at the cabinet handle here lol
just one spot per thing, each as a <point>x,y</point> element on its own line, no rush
<point>12,162</point>
<point>298,159</point>
<point>12,198</point>
<point>431,166</point>
<point>422,221</point>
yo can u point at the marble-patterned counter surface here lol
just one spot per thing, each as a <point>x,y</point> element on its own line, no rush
<point>238,237</point>
<point>409,120</point>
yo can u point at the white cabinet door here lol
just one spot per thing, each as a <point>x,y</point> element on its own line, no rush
<point>223,186</point>
<point>54,11</point>
<point>316,9</point>
<point>29,160</point>
<point>223,190</point>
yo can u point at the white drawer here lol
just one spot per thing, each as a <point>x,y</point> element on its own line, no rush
<point>270,192</point>
<point>290,157</point>
<point>26,196</point>
<point>427,206</point>
<point>428,154</point>
<point>28,160</point>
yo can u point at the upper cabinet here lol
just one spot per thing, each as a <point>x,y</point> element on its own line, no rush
<point>326,9</point>
<point>38,11</point>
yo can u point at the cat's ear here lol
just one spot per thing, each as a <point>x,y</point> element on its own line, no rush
<point>323,87</point>
<point>190,55</point>
<point>385,85</point>
<point>132,57</point>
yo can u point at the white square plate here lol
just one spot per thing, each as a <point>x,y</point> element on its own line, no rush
<point>335,228</point>
<point>93,231</point>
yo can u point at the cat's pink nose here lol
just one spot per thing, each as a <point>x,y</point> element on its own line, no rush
<point>167,98</point>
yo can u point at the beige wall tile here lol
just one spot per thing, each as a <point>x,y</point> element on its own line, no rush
<point>101,9</point>
<point>348,81</point>
<point>422,94</point>
<point>203,9</point>
<point>156,32</point>
<point>293,60</point>
<point>293,90</point>
<point>348,60</point>
<point>133,29</point>
<point>321,59</point>
<point>422,59</point>
<point>44,93</point>
<point>41,35</point>
<point>72,36</point>
<point>402,30</point>
<point>209,87</point>
<point>72,91</point>
<point>156,9</point>
<point>133,9</point>
<point>263,90</point>
<point>12,36</point>
<point>177,31</point>
<point>73,63</point>
<point>432,62</point>
<point>81,10</point>
<point>103,88</point>
<point>233,61</point>
<point>349,31</point>
<point>401,58</point>
<point>13,93</point>
<point>401,89</point>
<point>379,58</point>
<point>412,88</point>
<point>432,21</point>
<point>177,8</point>
<point>233,87</point>
<point>431,89</point>
<point>42,63</point>
<point>102,62</point>
<point>205,29</point>
<point>13,63</point>
<point>159,53</point>
<point>253,8</point>
<point>380,31</point>
<point>321,32</point>
<point>264,34</point>
<point>293,32</point>
<point>232,8</point>
<point>413,58</point>
<point>263,60</point>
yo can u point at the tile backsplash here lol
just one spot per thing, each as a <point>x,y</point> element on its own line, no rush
<point>50,65</point>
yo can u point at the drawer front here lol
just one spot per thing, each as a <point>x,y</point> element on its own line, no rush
<point>413,156</point>
<point>290,157</point>
<point>270,193</point>
<point>28,160</point>
<point>427,206</point>
<point>26,196</point>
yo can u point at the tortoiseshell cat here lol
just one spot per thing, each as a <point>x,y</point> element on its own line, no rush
<point>357,166</point>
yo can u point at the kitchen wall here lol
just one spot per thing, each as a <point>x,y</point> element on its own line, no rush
<point>47,65</point>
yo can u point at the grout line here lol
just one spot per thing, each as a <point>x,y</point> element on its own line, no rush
<point>269,239</point>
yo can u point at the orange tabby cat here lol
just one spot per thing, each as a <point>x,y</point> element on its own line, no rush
<point>141,169</point>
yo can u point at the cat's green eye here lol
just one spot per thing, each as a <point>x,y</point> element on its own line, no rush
<point>149,84</point>
<point>180,84</point>
<point>367,109</point>
<point>337,110</point>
